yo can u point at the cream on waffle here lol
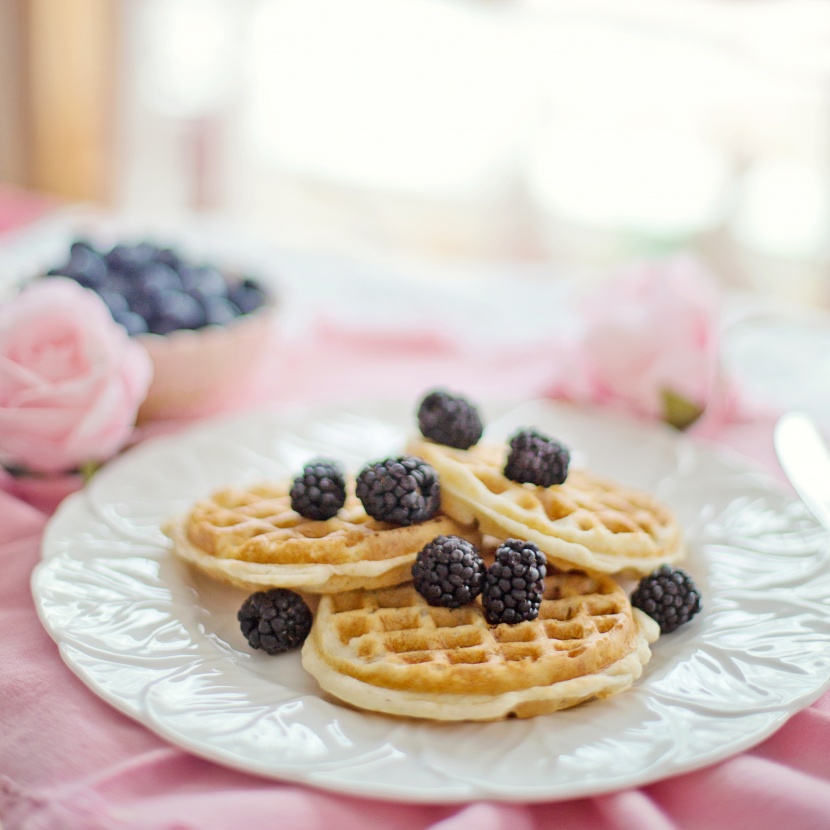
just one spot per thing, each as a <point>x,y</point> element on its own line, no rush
<point>586,522</point>
<point>252,538</point>
<point>389,651</point>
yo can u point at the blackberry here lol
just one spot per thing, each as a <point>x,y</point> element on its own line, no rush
<point>535,458</point>
<point>449,419</point>
<point>402,490</point>
<point>449,571</point>
<point>276,621</point>
<point>515,583</point>
<point>669,596</point>
<point>319,491</point>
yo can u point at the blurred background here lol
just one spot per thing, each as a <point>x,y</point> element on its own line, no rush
<point>579,133</point>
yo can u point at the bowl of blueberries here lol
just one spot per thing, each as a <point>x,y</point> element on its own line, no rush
<point>208,330</point>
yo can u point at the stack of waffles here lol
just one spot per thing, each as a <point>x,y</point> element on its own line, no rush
<point>376,643</point>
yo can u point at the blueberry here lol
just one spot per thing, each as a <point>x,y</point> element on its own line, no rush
<point>148,303</point>
<point>189,275</point>
<point>117,284</point>
<point>250,282</point>
<point>204,281</point>
<point>86,266</point>
<point>144,252</point>
<point>177,311</point>
<point>164,324</point>
<point>159,278</point>
<point>118,257</point>
<point>149,287</point>
<point>134,323</point>
<point>219,311</point>
<point>129,259</point>
<point>115,300</point>
<point>79,243</point>
<point>247,297</point>
<point>167,256</point>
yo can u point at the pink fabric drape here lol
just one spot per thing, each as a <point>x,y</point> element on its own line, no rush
<point>70,761</point>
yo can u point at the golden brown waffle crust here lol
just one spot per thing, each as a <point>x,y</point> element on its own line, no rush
<point>259,576</point>
<point>586,522</point>
<point>250,538</point>
<point>503,677</point>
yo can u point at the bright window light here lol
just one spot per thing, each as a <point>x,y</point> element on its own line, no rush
<point>784,210</point>
<point>418,96</point>
<point>625,143</point>
<point>658,184</point>
<point>188,54</point>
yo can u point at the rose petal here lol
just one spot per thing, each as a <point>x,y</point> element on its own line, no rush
<point>71,380</point>
<point>649,329</point>
<point>37,438</point>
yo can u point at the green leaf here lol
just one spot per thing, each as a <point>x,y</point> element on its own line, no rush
<point>678,411</point>
<point>88,469</point>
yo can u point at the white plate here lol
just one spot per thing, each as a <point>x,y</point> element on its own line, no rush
<point>162,644</point>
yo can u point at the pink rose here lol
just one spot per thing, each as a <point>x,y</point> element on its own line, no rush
<point>649,343</point>
<point>71,380</point>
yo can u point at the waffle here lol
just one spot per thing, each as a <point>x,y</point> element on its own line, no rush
<point>252,538</point>
<point>389,651</point>
<point>586,522</point>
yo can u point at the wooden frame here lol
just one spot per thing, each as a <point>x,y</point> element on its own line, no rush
<point>58,82</point>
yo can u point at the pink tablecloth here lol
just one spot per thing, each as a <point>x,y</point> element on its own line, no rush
<point>70,761</point>
<point>19,208</point>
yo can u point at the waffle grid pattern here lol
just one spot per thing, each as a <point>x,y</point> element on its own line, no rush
<point>587,503</point>
<point>584,624</point>
<point>253,539</point>
<point>222,524</point>
<point>587,521</point>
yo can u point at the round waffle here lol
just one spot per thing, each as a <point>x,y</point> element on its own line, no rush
<point>587,522</point>
<point>252,538</point>
<point>389,651</point>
